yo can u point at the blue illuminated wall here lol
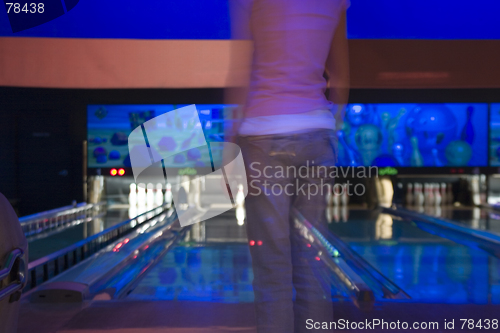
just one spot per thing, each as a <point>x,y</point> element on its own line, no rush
<point>494,148</point>
<point>424,19</point>
<point>150,19</point>
<point>108,128</point>
<point>209,19</point>
<point>414,135</point>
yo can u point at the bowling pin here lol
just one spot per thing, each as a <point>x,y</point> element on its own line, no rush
<point>425,191</point>
<point>437,195</point>
<point>159,194</point>
<point>344,211</point>
<point>240,196</point>
<point>240,215</point>
<point>429,196</point>
<point>421,197</point>
<point>132,196</point>
<point>467,134</point>
<point>336,214</point>
<point>415,195</point>
<point>141,201</point>
<point>336,193</point>
<point>141,194</point>
<point>476,197</point>
<point>409,194</point>
<point>132,211</point>
<point>444,199</point>
<point>329,195</point>
<point>438,211</point>
<point>150,195</point>
<point>345,196</point>
<point>429,209</point>
<point>329,214</point>
<point>416,157</point>
<point>168,195</point>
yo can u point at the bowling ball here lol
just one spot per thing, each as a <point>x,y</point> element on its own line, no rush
<point>435,126</point>
<point>458,153</point>
<point>114,155</point>
<point>179,158</point>
<point>498,152</point>
<point>99,151</point>
<point>119,139</point>
<point>193,154</point>
<point>97,140</point>
<point>101,113</point>
<point>358,114</point>
<point>368,137</point>
<point>126,162</point>
<point>385,161</point>
<point>101,159</point>
<point>167,143</point>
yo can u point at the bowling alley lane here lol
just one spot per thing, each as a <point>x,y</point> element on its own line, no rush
<point>46,243</point>
<point>213,264</point>
<point>431,269</point>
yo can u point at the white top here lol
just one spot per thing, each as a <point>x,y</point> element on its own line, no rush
<point>292,42</point>
<point>287,123</point>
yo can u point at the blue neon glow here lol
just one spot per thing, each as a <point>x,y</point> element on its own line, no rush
<point>209,19</point>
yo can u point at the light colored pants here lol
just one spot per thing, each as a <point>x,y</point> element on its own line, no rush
<point>287,287</point>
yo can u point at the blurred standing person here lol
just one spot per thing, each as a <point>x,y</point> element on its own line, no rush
<point>292,95</point>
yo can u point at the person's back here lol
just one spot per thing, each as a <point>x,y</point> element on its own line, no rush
<point>292,41</point>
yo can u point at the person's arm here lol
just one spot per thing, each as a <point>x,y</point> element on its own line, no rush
<point>337,67</point>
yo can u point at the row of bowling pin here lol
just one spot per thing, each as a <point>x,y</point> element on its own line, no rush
<point>337,214</point>
<point>429,194</point>
<point>337,195</point>
<point>150,195</point>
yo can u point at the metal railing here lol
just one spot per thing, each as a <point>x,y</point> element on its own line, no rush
<point>366,279</point>
<point>41,222</point>
<point>47,267</point>
<point>12,275</point>
<point>485,240</point>
<point>358,290</point>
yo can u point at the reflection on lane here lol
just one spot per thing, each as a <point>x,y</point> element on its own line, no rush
<point>140,200</point>
<point>471,217</point>
<point>213,273</point>
<point>429,268</point>
<point>41,247</point>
